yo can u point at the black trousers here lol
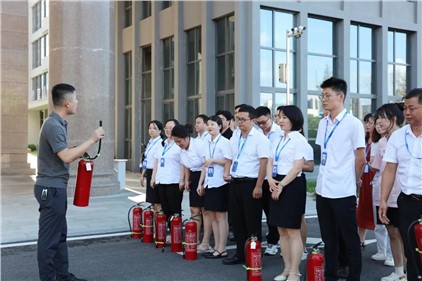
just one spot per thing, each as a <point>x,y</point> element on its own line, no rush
<point>272,235</point>
<point>246,213</point>
<point>339,215</point>
<point>410,209</point>
<point>52,253</point>
<point>171,199</point>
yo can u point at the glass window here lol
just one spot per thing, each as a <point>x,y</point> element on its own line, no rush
<point>398,63</point>
<point>146,92</point>
<point>36,16</point>
<point>359,107</point>
<point>274,24</point>
<point>128,106</point>
<point>168,67</point>
<point>319,69</point>
<point>320,36</point>
<point>128,13</point>
<point>365,43</point>
<point>166,4</point>
<point>194,58</point>
<point>224,62</point>
<point>145,9</point>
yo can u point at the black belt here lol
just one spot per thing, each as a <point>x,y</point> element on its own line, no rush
<point>195,172</point>
<point>414,197</point>
<point>244,179</point>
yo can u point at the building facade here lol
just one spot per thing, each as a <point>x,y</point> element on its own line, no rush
<point>178,59</point>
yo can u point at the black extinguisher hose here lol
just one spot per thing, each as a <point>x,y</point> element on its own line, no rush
<point>414,257</point>
<point>86,155</point>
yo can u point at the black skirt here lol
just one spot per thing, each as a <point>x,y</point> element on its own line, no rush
<point>194,199</point>
<point>288,210</point>
<point>217,198</point>
<point>153,195</point>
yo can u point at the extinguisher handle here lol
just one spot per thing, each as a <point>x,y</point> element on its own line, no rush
<point>86,156</point>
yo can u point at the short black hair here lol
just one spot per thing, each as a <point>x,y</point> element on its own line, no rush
<point>336,84</point>
<point>225,113</point>
<point>203,117</point>
<point>217,119</point>
<point>262,111</point>
<point>239,105</point>
<point>390,110</point>
<point>180,131</point>
<point>368,116</point>
<point>173,120</point>
<point>295,116</point>
<point>416,92</point>
<point>60,91</point>
<point>248,108</point>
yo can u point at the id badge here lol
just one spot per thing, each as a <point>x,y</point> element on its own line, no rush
<point>366,170</point>
<point>144,164</point>
<point>210,171</point>
<point>323,158</point>
<point>234,167</point>
<point>274,170</point>
<point>162,162</point>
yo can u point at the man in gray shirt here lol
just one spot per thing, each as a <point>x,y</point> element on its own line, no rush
<point>50,187</point>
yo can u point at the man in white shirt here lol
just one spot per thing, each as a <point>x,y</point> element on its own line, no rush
<point>404,165</point>
<point>273,132</point>
<point>201,128</point>
<point>342,140</point>
<point>246,171</point>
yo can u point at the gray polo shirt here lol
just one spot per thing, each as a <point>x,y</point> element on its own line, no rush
<point>52,171</point>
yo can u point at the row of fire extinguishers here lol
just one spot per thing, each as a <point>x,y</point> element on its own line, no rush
<point>153,229</point>
<point>145,225</point>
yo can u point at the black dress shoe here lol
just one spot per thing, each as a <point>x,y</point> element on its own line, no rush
<point>71,277</point>
<point>343,272</point>
<point>233,260</point>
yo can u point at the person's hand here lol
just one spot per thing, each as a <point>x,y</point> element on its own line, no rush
<point>142,181</point>
<point>275,193</point>
<point>97,134</point>
<point>227,178</point>
<point>200,190</point>
<point>257,192</point>
<point>208,162</point>
<point>273,184</point>
<point>181,185</point>
<point>382,212</point>
<point>152,183</point>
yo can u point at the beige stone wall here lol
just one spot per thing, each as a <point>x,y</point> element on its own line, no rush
<point>14,80</point>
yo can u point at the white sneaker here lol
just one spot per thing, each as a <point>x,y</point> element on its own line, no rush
<point>379,257</point>
<point>280,277</point>
<point>394,277</point>
<point>271,250</point>
<point>389,261</point>
<point>305,255</point>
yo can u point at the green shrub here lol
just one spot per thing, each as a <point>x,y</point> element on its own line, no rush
<point>32,147</point>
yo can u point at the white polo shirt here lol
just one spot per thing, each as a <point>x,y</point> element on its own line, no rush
<point>337,178</point>
<point>170,173</point>
<point>192,157</point>
<point>255,146</point>
<point>408,158</point>
<point>218,148</point>
<point>286,150</point>
<point>152,147</point>
<point>274,134</point>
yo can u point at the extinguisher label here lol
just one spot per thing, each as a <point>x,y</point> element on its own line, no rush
<point>319,273</point>
<point>190,238</point>
<point>161,231</point>
<point>88,166</point>
<point>177,233</point>
<point>256,263</point>
<point>148,223</point>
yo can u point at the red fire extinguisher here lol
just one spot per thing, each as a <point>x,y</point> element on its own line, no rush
<point>84,178</point>
<point>160,230</point>
<point>176,233</point>
<point>417,225</point>
<point>135,228</point>
<point>253,259</point>
<point>191,240</point>
<point>147,226</point>
<point>315,264</point>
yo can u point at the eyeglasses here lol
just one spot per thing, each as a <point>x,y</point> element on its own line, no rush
<point>242,120</point>
<point>325,97</point>
<point>262,122</point>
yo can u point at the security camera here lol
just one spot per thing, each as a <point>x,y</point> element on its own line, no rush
<point>301,28</point>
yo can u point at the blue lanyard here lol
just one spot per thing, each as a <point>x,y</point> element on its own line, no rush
<point>165,150</point>
<point>209,147</point>
<point>243,144</point>
<point>332,131</point>
<point>277,155</point>
<point>407,146</point>
<point>205,134</point>
<point>151,145</point>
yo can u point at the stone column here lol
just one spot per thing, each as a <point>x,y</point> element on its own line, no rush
<point>82,38</point>
<point>14,88</point>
